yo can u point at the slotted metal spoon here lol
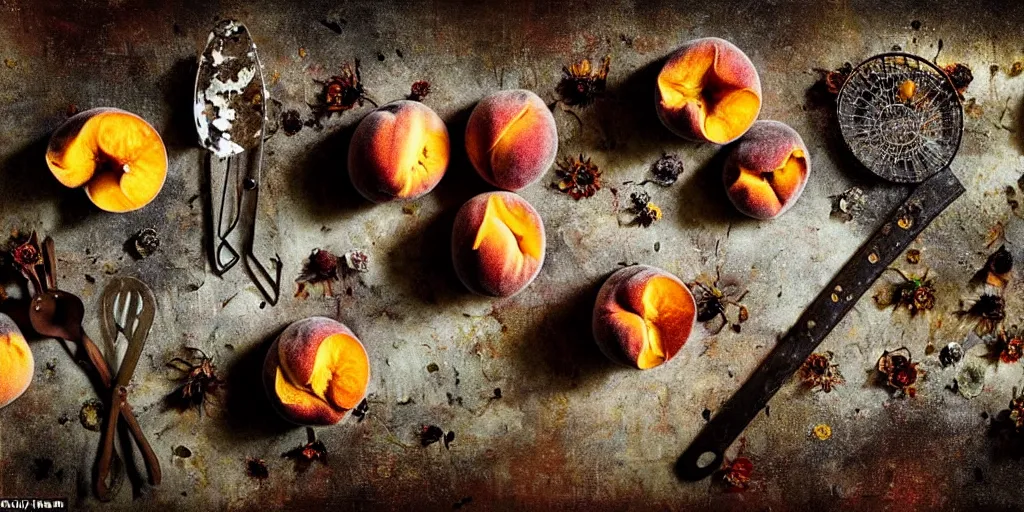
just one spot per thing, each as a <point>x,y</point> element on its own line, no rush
<point>230,103</point>
<point>902,119</point>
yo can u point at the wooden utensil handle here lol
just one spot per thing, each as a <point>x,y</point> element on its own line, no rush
<point>117,399</point>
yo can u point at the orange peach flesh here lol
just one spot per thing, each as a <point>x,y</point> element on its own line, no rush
<point>665,316</point>
<point>16,367</point>
<point>509,227</point>
<point>725,110</point>
<point>340,374</point>
<point>777,186</point>
<point>117,156</point>
<point>417,157</point>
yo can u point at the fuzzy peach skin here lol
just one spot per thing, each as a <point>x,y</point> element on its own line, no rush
<point>16,363</point>
<point>643,316</point>
<point>115,155</point>
<point>767,169</point>
<point>708,91</point>
<point>511,139</point>
<point>399,151</point>
<point>316,371</point>
<point>497,244</point>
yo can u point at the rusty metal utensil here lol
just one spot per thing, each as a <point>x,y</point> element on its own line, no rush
<point>59,314</point>
<point>902,118</point>
<point>129,307</point>
<point>230,105</point>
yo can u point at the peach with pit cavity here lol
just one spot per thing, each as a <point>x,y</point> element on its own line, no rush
<point>316,371</point>
<point>766,170</point>
<point>16,363</point>
<point>643,316</point>
<point>708,91</point>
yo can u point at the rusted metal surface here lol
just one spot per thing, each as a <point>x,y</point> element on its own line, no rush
<point>567,430</point>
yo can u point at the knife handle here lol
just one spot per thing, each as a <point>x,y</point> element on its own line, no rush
<point>707,451</point>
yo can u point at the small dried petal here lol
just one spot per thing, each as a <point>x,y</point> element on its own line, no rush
<point>578,177</point>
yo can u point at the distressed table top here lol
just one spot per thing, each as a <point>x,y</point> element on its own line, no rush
<point>570,430</point>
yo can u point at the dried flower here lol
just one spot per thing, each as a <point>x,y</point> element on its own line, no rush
<point>818,371</point>
<point>321,267</point>
<point>578,177</point>
<point>644,209</point>
<point>145,243</point>
<point>900,371</point>
<point>712,300</point>
<point>419,90</point>
<point>1017,412</point>
<point>989,310</point>
<point>27,254</point>
<point>822,431</point>
<point>666,170</point>
<point>581,84</point>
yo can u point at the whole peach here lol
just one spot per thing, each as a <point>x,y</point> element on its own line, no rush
<point>643,316</point>
<point>511,139</point>
<point>398,151</point>
<point>16,363</point>
<point>766,170</point>
<point>316,371</point>
<point>497,244</point>
<point>708,91</point>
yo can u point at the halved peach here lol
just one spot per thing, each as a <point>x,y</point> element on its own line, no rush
<point>708,91</point>
<point>767,169</point>
<point>399,151</point>
<point>116,155</point>
<point>511,139</point>
<point>16,363</point>
<point>316,371</point>
<point>497,244</point>
<point>643,316</point>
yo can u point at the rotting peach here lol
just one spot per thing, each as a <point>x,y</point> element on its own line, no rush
<point>766,170</point>
<point>511,139</point>
<point>115,155</point>
<point>399,151</point>
<point>316,371</point>
<point>708,91</point>
<point>643,316</point>
<point>497,244</point>
<point>16,363</point>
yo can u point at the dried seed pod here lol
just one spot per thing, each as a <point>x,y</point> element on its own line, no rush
<point>901,372</point>
<point>818,371</point>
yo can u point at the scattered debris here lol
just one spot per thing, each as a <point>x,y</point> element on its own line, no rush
<point>914,256</point>
<point>419,90</point>
<point>357,261</point>
<point>256,468</point>
<point>91,414</point>
<point>305,455</point>
<point>1008,346</point>
<point>900,371</point>
<point>26,254</point>
<point>200,382</point>
<point>713,298</point>
<point>1016,69</point>
<point>577,177</point>
<point>818,371</point>
<point>302,52</point>
<point>432,367</point>
<point>320,267</point>
<point>448,438</point>
<point>10,63</point>
<point>996,271</point>
<point>822,431</point>
<point>970,381</point>
<point>581,85</point>
<point>360,410</point>
<point>144,243</point>
<point>848,204</point>
<point>960,75</point>
<point>291,121</point>
<point>1017,412</point>
<point>736,474</point>
<point>666,170</point>
<point>497,394</point>
<point>430,434</point>
<point>342,92</point>
<point>182,452</point>
<point>833,80</point>
<point>951,354</point>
